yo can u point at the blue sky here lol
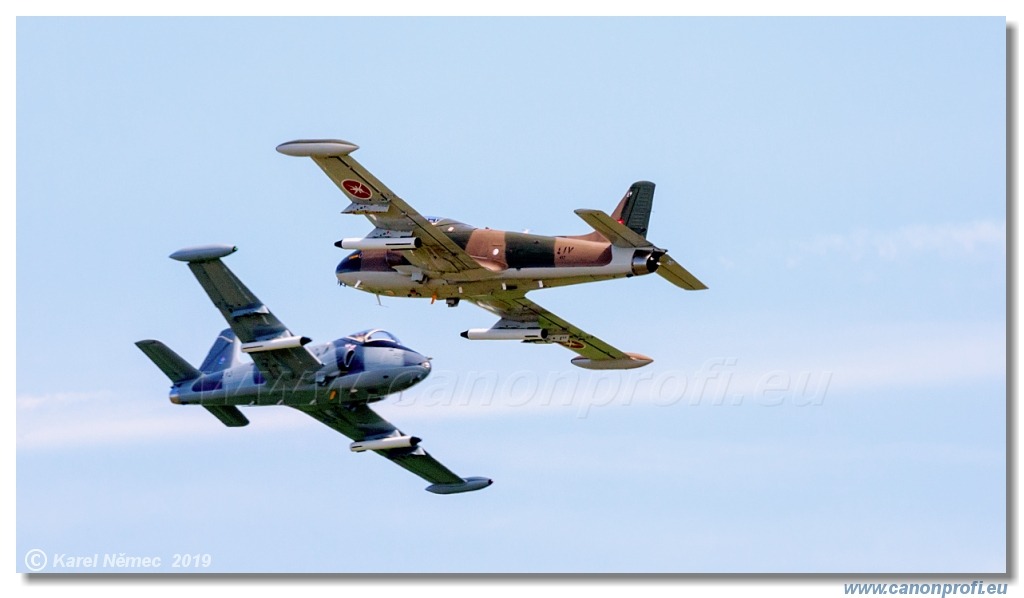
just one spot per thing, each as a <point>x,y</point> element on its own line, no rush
<point>835,402</point>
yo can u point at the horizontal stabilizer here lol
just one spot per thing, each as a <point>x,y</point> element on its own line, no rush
<point>671,271</point>
<point>621,236</point>
<point>229,415</point>
<point>169,362</point>
<point>616,232</point>
<point>467,485</point>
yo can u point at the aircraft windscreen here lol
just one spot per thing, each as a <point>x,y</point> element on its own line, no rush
<point>375,335</point>
<point>446,222</point>
<point>351,263</point>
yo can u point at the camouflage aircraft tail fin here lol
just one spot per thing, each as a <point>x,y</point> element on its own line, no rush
<point>634,210</point>
<point>225,353</point>
<point>169,362</point>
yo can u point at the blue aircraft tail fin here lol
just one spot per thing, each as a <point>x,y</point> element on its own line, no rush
<point>226,352</point>
<point>169,362</point>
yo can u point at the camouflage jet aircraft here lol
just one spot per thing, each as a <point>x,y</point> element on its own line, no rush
<point>332,382</point>
<point>409,255</point>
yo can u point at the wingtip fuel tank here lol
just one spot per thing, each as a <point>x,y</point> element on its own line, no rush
<point>467,485</point>
<point>309,148</point>
<point>635,360</point>
<point>203,253</point>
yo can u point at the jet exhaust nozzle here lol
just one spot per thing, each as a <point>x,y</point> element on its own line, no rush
<point>645,262</point>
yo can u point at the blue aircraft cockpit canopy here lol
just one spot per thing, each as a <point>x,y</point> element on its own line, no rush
<point>375,336</point>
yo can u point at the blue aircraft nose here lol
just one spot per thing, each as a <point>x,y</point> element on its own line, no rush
<point>417,365</point>
<point>412,358</point>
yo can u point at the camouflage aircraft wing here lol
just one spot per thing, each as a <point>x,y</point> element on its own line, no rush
<point>360,423</point>
<point>516,311</point>
<point>275,350</point>
<point>390,214</point>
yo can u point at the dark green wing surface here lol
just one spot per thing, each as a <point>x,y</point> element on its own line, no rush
<point>248,317</point>
<point>359,422</point>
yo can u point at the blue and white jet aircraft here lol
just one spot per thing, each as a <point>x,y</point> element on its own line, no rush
<point>332,382</point>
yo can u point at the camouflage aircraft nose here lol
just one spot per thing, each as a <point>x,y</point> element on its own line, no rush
<point>351,263</point>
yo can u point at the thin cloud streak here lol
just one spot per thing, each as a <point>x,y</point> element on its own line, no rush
<point>963,239</point>
<point>102,418</point>
<point>884,357</point>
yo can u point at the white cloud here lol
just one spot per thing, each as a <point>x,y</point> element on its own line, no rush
<point>914,355</point>
<point>944,239</point>
<point>59,400</point>
<point>805,372</point>
<point>67,419</point>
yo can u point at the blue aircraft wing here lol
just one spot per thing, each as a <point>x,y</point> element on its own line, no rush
<point>275,350</point>
<point>360,423</point>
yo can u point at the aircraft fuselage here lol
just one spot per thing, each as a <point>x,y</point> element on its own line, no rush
<point>352,371</point>
<point>513,260</point>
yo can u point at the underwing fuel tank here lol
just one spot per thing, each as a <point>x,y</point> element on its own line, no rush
<point>274,344</point>
<point>383,444</point>
<point>397,243</point>
<point>505,334</point>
